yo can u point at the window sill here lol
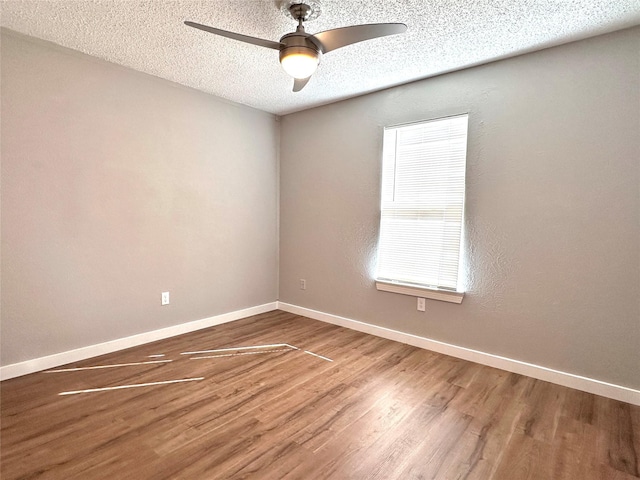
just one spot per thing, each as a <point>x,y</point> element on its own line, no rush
<point>422,292</point>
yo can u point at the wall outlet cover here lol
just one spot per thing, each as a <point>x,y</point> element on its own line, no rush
<point>421,304</point>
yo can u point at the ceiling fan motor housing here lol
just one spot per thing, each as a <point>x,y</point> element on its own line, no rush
<point>299,42</point>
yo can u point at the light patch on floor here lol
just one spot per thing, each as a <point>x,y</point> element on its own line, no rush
<point>274,345</point>
<point>240,353</point>
<point>137,385</point>
<point>96,367</point>
<point>319,356</point>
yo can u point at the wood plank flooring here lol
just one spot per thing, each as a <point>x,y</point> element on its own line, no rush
<point>378,410</point>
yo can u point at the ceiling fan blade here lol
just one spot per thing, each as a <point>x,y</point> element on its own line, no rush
<point>235,36</point>
<point>341,37</point>
<point>299,83</point>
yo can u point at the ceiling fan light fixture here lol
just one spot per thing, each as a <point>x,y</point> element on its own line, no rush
<point>299,62</point>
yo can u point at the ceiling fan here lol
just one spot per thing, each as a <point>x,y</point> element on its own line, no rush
<point>300,52</point>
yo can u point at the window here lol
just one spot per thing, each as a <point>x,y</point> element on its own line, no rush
<point>422,208</point>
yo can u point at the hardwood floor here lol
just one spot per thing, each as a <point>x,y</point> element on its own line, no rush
<point>378,410</point>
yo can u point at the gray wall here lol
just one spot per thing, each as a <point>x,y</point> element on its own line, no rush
<point>553,208</point>
<point>117,186</point>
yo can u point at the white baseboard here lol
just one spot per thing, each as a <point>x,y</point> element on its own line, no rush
<point>62,358</point>
<point>616,392</point>
<point>570,380</point>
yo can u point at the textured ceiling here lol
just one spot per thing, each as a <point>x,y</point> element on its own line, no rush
<point>443,35</point>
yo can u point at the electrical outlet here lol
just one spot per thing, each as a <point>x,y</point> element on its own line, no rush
<point>303,284</point>
<point>165,298</point>
<point>421,304</point>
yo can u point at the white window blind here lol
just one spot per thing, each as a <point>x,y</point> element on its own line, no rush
<point>423,184</point>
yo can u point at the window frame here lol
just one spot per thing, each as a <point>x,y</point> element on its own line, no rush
<point>419,290</point>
